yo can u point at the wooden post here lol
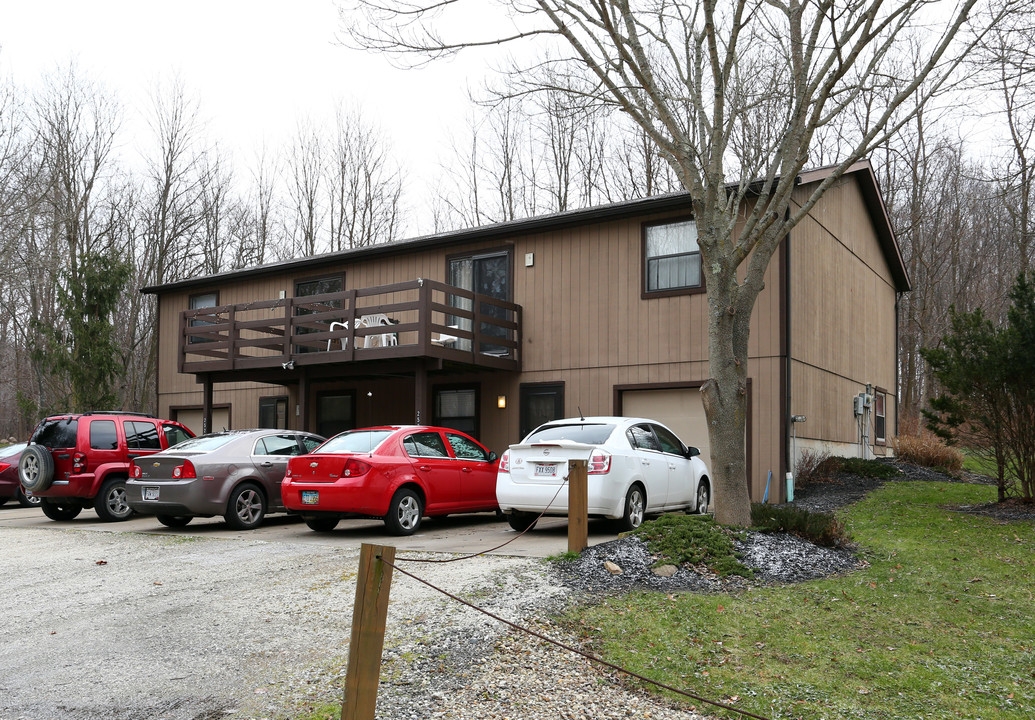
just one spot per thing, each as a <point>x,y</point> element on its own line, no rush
<point>420,393</point>
<point>206,404</point>
<point>578,506</point>
<point>369,615</point>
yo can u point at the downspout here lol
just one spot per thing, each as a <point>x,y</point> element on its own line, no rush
<point>785,421</point>
<point>898,358</point>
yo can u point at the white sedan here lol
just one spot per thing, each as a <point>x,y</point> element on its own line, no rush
<point>635,467</point>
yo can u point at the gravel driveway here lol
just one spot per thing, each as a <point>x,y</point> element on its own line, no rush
<point>129,626</point>
<point>132,626</point>
<point>119,625</point>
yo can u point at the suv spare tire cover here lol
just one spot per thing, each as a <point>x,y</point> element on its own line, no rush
<point>36,468</point>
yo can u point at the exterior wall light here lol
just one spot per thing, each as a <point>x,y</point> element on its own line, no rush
<point>501,401</point>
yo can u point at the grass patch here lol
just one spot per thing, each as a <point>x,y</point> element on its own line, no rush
<point>323,712</point>
<point>821,528</point>
<point>692,539</point>
<point>938,626</point>
<point>566,556</point>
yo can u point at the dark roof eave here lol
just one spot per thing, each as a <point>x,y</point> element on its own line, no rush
<point>878,213</point>
<point>556,221</point>
<point>659,203</point>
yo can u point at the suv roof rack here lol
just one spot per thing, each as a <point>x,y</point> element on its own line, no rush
<point>117,412</point>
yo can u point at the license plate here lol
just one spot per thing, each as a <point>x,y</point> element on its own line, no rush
<point>151,493</point>
<point>545,470</point>
<point>310,497</point>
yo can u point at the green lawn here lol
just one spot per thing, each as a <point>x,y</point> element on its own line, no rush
<point>981,464</point>
<point>938,626</point>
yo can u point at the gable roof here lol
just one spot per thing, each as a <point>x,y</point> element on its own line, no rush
<point>557,221</point>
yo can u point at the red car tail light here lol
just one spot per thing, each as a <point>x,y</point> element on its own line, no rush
<point>4,466</point>
<point>135,471</point>
<point>505,462</point>
<point>599,463</point>
<point>185,471</point>
<point>355,468</point>
<point>78,462</point>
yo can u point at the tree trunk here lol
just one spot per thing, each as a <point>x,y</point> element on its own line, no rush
<point>725,403</point>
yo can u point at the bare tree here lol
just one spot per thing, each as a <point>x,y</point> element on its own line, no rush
<point>305,173</point>
<point>223,216</point>
<point>732,94</point>
<point>1006,63</point>
<point>365,185</point>
<point>171,184</point>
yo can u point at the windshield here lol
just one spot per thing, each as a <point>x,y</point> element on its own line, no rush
<point>589,434</point>
<point>354,441</point>
<point>205,443</point>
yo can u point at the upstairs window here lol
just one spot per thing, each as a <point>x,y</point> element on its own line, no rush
<point>672,258</point>
<point>200,302</point>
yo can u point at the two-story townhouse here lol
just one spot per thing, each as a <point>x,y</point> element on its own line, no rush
<point>599,311</point>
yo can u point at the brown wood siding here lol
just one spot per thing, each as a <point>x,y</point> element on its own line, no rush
<point>585,324</point>
<point>843,306</point>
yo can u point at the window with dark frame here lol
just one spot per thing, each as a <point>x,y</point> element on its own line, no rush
<point>316,286</point>
<point>335,412</point>
<point>457,408</point>
<point>672,257</point>
<point>200,302</point>
<point>879,417</point>
<point>540,403</point>
<point>273,412</point>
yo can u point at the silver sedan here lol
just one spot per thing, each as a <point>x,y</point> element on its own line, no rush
<point>235,474</point>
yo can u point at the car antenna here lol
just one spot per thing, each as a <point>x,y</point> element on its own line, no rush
<point>581,416</point>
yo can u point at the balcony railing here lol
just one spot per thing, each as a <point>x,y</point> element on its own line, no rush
<point>422,318</point>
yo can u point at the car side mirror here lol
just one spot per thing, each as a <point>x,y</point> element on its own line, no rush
<point>493,457</point>
<point>692,452</point>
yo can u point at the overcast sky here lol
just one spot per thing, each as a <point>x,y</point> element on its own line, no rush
<point>257,66</point>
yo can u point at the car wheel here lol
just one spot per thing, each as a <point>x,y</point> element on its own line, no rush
<point>36,468</point>
<point>322,524</point>
<point>3,500</point>
<point>246,508</point>
<point>704,498</point>
<point>27,500</point>
<point>522,521</point>
<point>57,510</point>
<point>111,504</point>
<point>175,521</point>
<point>635,503</point>
<point>404,513</point>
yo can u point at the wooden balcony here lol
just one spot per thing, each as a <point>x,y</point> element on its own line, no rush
<point>410,320</point>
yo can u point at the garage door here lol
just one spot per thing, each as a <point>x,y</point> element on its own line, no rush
<point>682,410</point>
<point>192,419</point>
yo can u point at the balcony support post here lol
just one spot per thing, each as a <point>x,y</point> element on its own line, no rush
<point>420,397</point>
<point>303,398</point>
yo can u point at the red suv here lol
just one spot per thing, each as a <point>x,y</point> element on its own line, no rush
<point>76,461</point>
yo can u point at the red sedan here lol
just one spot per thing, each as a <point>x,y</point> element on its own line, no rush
<point>397,473</point>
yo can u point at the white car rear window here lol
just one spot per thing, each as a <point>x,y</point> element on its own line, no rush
<point>589,434</point>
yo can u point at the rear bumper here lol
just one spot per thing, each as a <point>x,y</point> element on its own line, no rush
<point>80,487</point>
<point>603,499</point>
<point>343,498</point>
<point>175,497</point>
